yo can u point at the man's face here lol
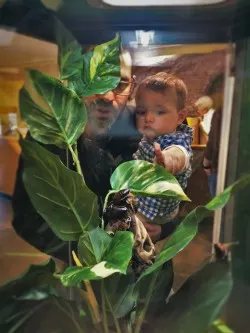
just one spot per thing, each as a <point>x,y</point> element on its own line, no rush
<point>104,109</point>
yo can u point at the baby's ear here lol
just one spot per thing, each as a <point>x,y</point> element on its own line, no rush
<point>182,115</point>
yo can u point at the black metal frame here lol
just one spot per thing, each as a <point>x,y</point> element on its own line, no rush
<point>91,25</point>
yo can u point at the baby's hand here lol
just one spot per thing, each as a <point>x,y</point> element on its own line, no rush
<point>172,159</point>
<point>154,231</point>
<point>163,158</point>
<point>159,157</point>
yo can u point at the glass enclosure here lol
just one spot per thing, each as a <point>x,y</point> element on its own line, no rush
<point>158,57</point>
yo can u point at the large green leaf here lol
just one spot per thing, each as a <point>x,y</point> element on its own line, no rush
<point>198,303</point>
<point>35,276</point>
<point>119,293</point>
<point>119,290</point>
<point>162,289</point>
<point>32,297</point>
<point>22,297</point>
<point>51,315</point>
<point>58,194</point>
<point>92,245</point>
<point>115,259</point>
<point>189,226</point>
<point>70,58</point>
<point>146,179</point>
<point>101,68</point>
<point>76,84</point>
<point>53,113</point>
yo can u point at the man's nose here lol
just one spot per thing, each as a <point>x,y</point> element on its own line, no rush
<point>149,118</point>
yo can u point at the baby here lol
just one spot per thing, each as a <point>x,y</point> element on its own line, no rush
<point>160,101</point>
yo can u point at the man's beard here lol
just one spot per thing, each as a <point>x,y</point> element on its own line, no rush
<point>101,124</point>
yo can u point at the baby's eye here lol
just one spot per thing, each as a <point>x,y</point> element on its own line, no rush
<point>140,112</point>
<point>160,112</point>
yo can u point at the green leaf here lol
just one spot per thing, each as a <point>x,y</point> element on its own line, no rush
<point>53,113</point>
<point>53,314</point>
<point>76,84</point>
<point>70,58</point>
<point>35,276</point>
<point>189,226</point>
<point>16,316</point>
<point>198,303</point>
<point>146,179</point>
<point>31,298</point>
<point>58,194</point>
<point>115,259</point>
<point>162,289</point>
<point>119,251</point>
<point>92,245</point>
<point>54,5</point>
<point>38,294</point>
<point>119,289</point>
<point>101,68</point>
<point>119,292</point>
<point>219,326</point>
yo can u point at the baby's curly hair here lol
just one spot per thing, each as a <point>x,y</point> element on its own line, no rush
<point>162,82</point>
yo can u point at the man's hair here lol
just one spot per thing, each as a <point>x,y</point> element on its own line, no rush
<point>217,83</point>
<point>162,82</point>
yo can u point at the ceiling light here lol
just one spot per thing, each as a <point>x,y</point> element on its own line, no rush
<point>144,3</point>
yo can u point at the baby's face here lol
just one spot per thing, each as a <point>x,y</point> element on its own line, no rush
<point>156,113</point>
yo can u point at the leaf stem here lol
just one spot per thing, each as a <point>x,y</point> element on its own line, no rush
<point>129,328</point>
<point>76,160</point>
<point>105,321</point>
<point>117,326</point>
<point>24,318</point>
<point>70,315</point>
<point>89,294</point>
<point>126,326</point>
<point>142,314</point>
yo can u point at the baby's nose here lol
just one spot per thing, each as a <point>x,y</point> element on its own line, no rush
<point>149,117</point>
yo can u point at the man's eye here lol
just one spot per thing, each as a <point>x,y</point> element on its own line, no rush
<point>122,86</point>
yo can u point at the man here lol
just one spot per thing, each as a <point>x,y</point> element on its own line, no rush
<point>110,138</point>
